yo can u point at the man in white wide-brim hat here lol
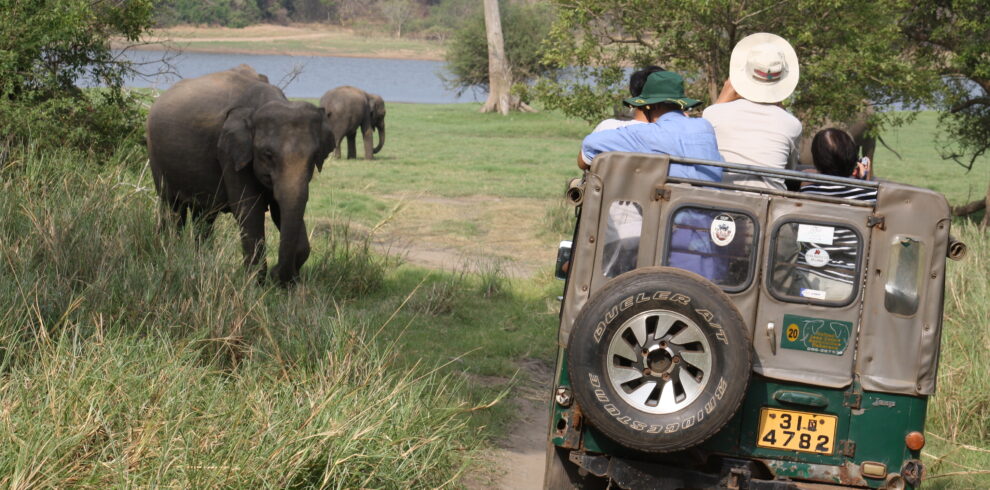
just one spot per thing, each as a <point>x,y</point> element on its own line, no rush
<point>750,125</point>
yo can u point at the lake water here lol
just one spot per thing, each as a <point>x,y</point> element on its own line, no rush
<point>395,80</point>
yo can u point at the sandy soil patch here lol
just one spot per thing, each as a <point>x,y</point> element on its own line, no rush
<point>519,458</point>
<point>469,233</point>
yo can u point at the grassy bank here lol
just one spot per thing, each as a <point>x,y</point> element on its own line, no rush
<point>130,355</point>
<point>301,39</point>
<point>133,356</point>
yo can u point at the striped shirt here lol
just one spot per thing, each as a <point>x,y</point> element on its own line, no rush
<point>842,251</point>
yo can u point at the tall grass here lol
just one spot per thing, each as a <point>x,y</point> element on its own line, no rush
<point>958,451</point>
<point>131,355</point>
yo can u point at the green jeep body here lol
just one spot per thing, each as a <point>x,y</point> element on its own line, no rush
<point>856,369</point>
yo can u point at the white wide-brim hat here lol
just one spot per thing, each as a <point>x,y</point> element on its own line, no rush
<point>764,68</point>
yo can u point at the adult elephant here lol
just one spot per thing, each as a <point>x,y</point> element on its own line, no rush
<point>231,142</point>
<point>350,109</point>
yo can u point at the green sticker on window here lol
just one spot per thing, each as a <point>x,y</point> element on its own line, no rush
<point>815,334</point>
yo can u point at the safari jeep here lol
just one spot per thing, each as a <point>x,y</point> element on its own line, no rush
<point>740,337</point>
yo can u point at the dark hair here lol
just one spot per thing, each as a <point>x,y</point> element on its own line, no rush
<point>638,79</point>
<point>834,152</point>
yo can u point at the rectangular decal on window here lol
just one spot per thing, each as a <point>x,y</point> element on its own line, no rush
<point>815,335</point>
<point>821,235</point>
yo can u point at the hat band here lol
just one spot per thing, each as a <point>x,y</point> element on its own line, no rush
<point>767,76</point>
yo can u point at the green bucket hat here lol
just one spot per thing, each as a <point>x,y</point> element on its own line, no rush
<point>663,86</point>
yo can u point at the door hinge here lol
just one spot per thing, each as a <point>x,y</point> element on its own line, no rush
<point>875,220</point>
<point>853,399</point>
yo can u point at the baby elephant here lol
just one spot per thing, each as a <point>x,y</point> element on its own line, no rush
<point>350,108</point>
<point>231,142</point>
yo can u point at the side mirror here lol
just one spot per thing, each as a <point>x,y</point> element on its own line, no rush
<point>563,260</point>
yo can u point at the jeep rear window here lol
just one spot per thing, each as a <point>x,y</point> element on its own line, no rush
<point>715,243</point>
<point>814,263</point>
<point>905,272</point>
<point>622,232</point>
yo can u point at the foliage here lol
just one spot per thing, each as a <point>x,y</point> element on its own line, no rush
<point>397,13</point>
<point>524,28</point>
<point>953,34</point>
<point>50,46</point>
<point>94,121</point>
<point>850,51</point>
<point>231,13</point>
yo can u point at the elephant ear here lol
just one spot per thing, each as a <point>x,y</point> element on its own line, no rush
<point>326,139</point>
<point>236,143</point>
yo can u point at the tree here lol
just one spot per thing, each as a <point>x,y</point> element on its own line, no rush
<point>47,47</point>
<point>850,51</point>
<point>397,13</point>
<point>523,27</point>
<point>954,36</point>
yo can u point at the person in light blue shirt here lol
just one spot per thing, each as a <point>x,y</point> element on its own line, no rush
<point>669,132</point>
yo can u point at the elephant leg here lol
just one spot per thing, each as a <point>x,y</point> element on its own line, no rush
<point>251,218</point>
<point>203,224</point>
<point>368,135</point>
<point>336,149</point>
<point>352,145</point>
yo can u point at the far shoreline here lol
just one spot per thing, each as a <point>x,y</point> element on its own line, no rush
<point>269,39</point>
<point>179,48</point>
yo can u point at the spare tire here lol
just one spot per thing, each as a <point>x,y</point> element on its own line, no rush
<point>659,359</point>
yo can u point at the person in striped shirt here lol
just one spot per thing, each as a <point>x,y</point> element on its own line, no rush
<point>828,269</point>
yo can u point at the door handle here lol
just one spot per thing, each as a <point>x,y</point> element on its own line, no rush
<point>772,336</point>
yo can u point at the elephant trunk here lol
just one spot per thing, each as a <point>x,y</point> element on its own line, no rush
<point>293,250</point>
<point>381,137</point>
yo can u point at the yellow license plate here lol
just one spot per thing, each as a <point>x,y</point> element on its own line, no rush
<point>797,431</point>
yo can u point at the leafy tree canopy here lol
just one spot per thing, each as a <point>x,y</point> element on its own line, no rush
<point>46,48</point>
<point>851,52</point>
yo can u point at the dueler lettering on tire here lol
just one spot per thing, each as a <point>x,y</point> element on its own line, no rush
<point>660,359</point>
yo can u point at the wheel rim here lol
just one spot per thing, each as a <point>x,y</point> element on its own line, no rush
<point>659,361</point>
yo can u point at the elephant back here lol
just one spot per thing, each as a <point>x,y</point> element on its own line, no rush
<point>346,106</point>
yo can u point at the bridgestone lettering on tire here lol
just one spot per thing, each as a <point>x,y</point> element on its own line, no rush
<point>659,359</point>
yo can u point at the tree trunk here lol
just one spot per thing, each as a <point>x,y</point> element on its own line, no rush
<point>986,211</point>
<point>499,78</point>
<point>974,206</point>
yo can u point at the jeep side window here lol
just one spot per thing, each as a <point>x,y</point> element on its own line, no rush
<point>815,262</point>
<point>904,275</point>
<point>622,232</point>
<point>714,243</point>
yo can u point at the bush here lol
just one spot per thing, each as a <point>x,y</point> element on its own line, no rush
<point>92,122</point>
<point>51,46</point>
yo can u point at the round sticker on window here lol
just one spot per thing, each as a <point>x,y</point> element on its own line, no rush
<point>816,257</point>
<point>723,230</point>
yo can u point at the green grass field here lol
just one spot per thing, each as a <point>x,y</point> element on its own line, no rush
<point>130,355</point>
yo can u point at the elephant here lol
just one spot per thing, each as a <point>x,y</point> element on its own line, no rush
<point>859,128</point>
<point>231,142</point>
<point>349,108</point>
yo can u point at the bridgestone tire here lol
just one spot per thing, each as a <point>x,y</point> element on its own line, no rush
<point>659,359</point>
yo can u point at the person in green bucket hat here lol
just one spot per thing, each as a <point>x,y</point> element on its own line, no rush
<point>663,87</point>
<point>669,131</point>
